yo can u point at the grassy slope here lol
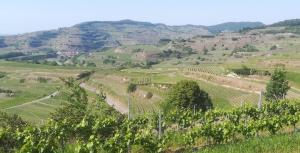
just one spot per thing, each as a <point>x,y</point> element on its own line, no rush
<point>31,89</point>
<point>294,78</point>
<point>275,144</point>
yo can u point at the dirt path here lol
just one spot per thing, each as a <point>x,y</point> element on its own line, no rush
<point>222,85</point>
<point>239,84</point>
<point>114,102</point>
<point>35,101</point>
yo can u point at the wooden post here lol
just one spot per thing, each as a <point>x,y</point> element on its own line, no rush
<point>129,107</point>
<point>159,126</point>
<point>129,148</point>
<point>259,104</point>
<point>194,109</point>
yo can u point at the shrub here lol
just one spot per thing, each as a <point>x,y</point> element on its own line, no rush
<point>91,64</point>
<point>22,80</point>
<point>85,74</point>
<point>274,47</point>
<point>187,94</point>
<point>2,74</point>
<point>149,95</point>
<point>42,80</point>
<point>278,86</point>
<point>131,88</point>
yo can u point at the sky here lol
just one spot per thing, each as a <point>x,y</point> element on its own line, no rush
<point>20,16</point>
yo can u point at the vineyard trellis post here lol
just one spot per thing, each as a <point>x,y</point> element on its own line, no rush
<point>159,125</point>
<point>259,104</point>
<point>194,109</point>
<point>129,107</point>
<point>129,148</point>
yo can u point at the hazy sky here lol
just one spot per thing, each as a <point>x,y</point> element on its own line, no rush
<point>19,16</point>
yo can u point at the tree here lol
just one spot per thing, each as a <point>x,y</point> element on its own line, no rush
<point>187,94</point>
<point>131,88</point>
<point>278,85</point>
<point>77,102</point>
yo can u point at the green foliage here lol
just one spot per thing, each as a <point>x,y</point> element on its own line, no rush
<point>85,75</point>
<point>278,86</point>
<point>187,94</point>
<point>131,88</point>
<point>9,125</point>
<point>91,64</point>
<point>42,80</point>
<point>250,71</point>
<point>109,61</point>
<point>274,47</point>
<point>2,74</point>
<point>11,121</point>
<point>76,108</point>
<point>77,125</point>
<point>22,80</point>
<point>234,26</point>
<point>111,134</point>
<point>293,22</point>
<point>149,95</point>
<point>8,92</point>
<point>245,48</point>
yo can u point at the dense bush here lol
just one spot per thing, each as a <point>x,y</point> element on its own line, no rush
<point>2,74</point>
<point>149,95</point>
<point>131,88</point>
<point>187,94</point>
<point>85,74</point>
<point>245,48</point>
<point>278,86</point>
<point>274,47</point>
<point>250,71</point>
<point>42,80</point>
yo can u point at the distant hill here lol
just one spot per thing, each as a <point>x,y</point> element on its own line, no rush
<point>233,26</point>
<point>96,35</point>
<point>293,22</point>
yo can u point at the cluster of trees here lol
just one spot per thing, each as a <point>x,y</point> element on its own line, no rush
<point>245,48</point>
<point>187,95</point>
<point>278,86</point>
<point>250,71</point>
<point>85,74</point>
<point>7,92</point>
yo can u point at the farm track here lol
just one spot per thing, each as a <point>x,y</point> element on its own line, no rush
<point>222,85</point>
<point>293,94</point>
